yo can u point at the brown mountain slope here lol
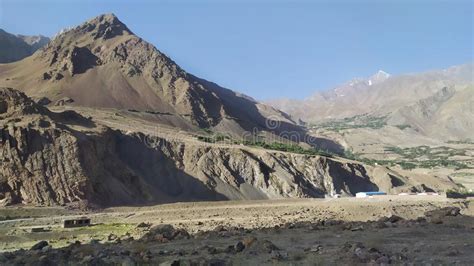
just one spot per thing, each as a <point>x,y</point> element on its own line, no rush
<point>56,158</point>
<point>101,63</point>
<point>448,114</point>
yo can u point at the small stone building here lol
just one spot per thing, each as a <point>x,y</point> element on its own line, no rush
<point>79,222</point>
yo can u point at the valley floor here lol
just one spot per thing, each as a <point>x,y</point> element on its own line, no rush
<point>298,231</point>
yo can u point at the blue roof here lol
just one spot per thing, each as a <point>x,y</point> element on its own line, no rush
<point>375,193</point>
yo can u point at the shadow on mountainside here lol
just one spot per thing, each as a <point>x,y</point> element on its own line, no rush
<point>131,173</point>
<point>244,110</point>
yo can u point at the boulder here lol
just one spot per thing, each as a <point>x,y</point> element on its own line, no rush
<point>64,101</point>
<point>165,233</point>
<point>438,216</point>
<point>446,211</point>
<point>40,245</point>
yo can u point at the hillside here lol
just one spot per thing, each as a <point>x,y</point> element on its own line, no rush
<point>17,47</point>
<point>447,114</point>
<point>102,64</point>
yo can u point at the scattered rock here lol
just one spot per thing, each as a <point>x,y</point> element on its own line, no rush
<point>143,225</point>
<point>220,228</point>
<point>248,241</point>
<point>58,76</point>
<point>64,101</point>
<point>332,222</point>
<point>357,228</point>
<point>446,211</point>
<point>261,247</point>
<point>383,260</point>
<point>46,76</point>
<point>436,219</point>
<point>394,219</point>
<point>452,252</point>
<point>112,237</point>
<point>40,245</point>
<point>164,233</point>
<point>239,246</point>
<point>279,255</point>
<point>46,248</point>
<point>315,248</point>
<point>438,216</point>
<point>43,101</point>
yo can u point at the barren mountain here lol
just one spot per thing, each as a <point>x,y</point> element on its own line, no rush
<point>447,114</point>
<point>17,47</point>
<point>400,99</point>
<point>35,41</point>
<point>101,63</point>
<point>422,122</point>
<point>53,158</point>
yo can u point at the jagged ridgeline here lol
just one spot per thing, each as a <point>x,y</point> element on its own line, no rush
<point>101,63</point>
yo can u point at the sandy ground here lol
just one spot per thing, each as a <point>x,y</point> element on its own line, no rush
<point>346,231</point>
<point>197,217</point>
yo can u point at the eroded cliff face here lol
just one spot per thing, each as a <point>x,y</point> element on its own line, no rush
<point>58,158</point>
<point>239,173</point>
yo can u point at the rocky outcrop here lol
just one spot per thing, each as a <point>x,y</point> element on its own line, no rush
<point>57,158</point>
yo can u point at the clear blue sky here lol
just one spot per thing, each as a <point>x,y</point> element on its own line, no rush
<point>272,49</point>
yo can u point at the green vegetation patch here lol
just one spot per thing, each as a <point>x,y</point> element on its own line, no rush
<point>358,121</point>
<point>418,157</point>
<point>463,174</point>
<point>403,127</point>
<point>466,141</point>
<point>212,137</point>
<point>432,153</point>
<point>293,148</point>
<point>460,193</point>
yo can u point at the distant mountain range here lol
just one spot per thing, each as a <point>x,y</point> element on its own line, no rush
<point>16,47</point>
<point>436,103</point>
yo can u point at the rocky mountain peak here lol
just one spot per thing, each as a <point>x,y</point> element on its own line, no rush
<point>106,26</point>
<point>378,77</point>
<point>103,27</point>
<point>93,43</point>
